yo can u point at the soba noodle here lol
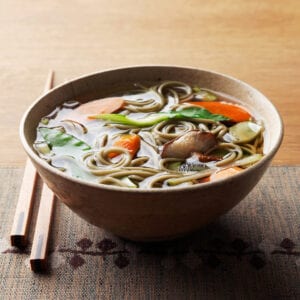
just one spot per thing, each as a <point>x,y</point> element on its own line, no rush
<point>86,148</point>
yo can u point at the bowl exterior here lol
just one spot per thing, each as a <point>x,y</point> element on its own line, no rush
<point>146,214</point>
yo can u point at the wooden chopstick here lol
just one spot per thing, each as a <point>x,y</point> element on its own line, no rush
<point>38,255</point>
<point>20,228</point>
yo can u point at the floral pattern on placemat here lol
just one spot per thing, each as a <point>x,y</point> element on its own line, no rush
<point>170,254</point>
<point>85,248</point>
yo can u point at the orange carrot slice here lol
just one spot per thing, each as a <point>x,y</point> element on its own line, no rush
<point>131,142</point>
<point>234,112</point>
<point>222,174</point>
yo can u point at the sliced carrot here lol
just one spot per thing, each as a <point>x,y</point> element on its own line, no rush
<point>234,112</point>
<point>222,174</point>
<point>100,106</point>
<point>131,142</point>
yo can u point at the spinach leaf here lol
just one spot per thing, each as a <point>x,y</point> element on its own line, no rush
<point>61,142</point>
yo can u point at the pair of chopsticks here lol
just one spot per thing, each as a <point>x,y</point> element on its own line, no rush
<point>23,214</point>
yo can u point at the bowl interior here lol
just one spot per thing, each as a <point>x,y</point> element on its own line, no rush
<point>110,82</point>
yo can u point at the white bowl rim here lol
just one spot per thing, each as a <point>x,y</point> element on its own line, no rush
<point>44,164</point>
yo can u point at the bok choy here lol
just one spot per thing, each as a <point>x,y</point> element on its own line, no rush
<point>152,119</point>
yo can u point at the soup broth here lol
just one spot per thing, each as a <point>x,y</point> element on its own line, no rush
<point>170,134</point>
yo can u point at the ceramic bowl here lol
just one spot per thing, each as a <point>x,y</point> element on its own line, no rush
<point>158,214</point>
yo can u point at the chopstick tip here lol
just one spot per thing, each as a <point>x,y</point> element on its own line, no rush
<point>38,265</point>
<point>19,241</point>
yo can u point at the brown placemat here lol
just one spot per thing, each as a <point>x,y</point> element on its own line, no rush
<point>253,252</point>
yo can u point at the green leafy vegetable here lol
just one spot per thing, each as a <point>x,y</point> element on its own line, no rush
<point>121,119</point>
<point>186,113</point>
<point>61,142</point>
<point>195,113</point>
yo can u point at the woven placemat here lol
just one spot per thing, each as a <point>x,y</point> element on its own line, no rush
<point>253,252</point>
